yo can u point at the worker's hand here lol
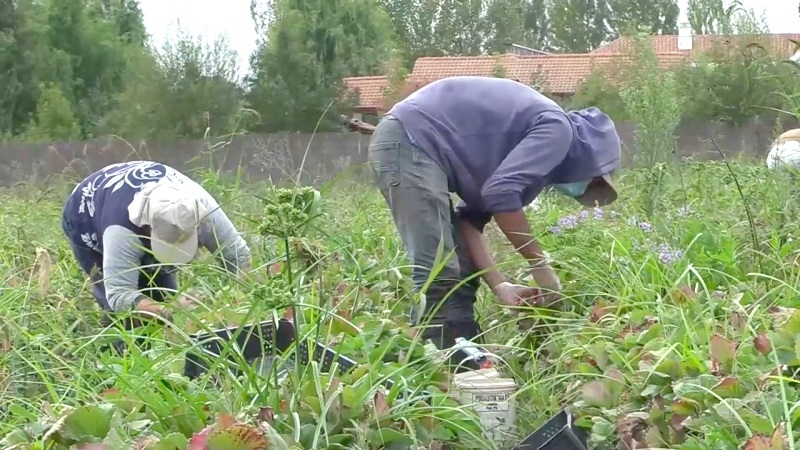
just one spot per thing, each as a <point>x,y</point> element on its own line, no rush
<point>544,299</point>
<point>545,277</point>
<point>152,308</point>
<point>190,299</point>
<point>511,294</point>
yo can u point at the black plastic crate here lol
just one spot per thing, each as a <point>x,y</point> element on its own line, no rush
<point>559,433</point>
<point>325,356</point>
<point>253,341</point>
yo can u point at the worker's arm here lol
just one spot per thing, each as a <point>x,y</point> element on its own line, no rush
<point>122,256</point>
<point>528,166</point>
<point>219,236</point>
<point>471,224</point>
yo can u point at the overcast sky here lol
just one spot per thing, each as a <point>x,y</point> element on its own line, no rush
<point>210,19</point>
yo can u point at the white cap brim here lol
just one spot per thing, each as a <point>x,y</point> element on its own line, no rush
<point>179,253</point>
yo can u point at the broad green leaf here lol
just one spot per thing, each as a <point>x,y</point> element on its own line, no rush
<point>385,436</point>
<point>172,441</point>
<point>597,393</point>
<point>276,441</point>
<point>685,407</point>
<point>16,437</point>
<point>729,387</point>
<point>88,422</point>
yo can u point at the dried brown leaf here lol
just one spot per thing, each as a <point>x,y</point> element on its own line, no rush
<point>381,403</point>
<point>761,442</point>
<point>266,414</point>
<point>777,438</point>
<point>738,321</point>
<point>682,294</point>
<point>676,422</point>
<point>225,421</point>
<point>5,338</point>
<point>601,309</point>
<point>43,267</point>
<point>762,344</point>
<point>631,430</point>
<point>239,437</point>
<point>723,350</point>
<point>275,268</point>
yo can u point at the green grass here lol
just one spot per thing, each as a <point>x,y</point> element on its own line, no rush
<point>671,332</point>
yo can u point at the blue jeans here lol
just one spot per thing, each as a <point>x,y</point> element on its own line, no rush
<point>416,190</point>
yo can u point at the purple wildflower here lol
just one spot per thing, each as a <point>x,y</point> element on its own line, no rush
<point>598,213</point>
<point>568,222</point>
<point>555,230</point>
<point>646,227</point>
<point>667,254</point>
<point>584,214</point>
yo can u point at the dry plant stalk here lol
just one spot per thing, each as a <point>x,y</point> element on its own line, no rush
<point>43,268</point>
<point>12,280</point>
<point>5,338</point>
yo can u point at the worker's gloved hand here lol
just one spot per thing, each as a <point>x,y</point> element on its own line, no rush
<point>510,294</point>
<point>153,310</point>
<point>190,299</point>
<point>549,284</point>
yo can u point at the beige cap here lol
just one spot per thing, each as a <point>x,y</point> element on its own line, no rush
<point>791,135</point>
<point>173,212</point>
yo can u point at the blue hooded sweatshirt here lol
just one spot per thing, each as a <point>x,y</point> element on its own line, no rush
<point>500,142</point>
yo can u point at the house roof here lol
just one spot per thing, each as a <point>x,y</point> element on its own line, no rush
<point>554,73</point>
<point>702,43</point>
<point>557,74</point>
<point>370,91</point>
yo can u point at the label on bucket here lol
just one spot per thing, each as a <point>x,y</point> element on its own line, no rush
<point>496,412</point>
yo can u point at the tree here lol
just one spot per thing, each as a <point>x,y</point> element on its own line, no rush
<point>711,16</point>
<point>312,45</point>
<point>523,22</point>
<point>17,99</point>
<point>652,16</point>
<point>54,118</point>
<point>127,17</point>
<point>439,27</point>
<point>186,89</point>
<point>579,26</point>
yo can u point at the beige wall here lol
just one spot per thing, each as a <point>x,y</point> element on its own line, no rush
<point>282,155</point>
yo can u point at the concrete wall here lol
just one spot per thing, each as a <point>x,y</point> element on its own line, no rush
<point>317,158</point>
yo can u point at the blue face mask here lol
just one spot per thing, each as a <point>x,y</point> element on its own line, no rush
<point>572,189</point>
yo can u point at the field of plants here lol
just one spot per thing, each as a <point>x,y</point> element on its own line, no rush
<point>680,330</point>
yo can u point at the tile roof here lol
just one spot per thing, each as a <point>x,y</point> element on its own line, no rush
<point>554,73</point>
<point>557,74</point>
<point>704,42</point>
<point>370,90</point>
